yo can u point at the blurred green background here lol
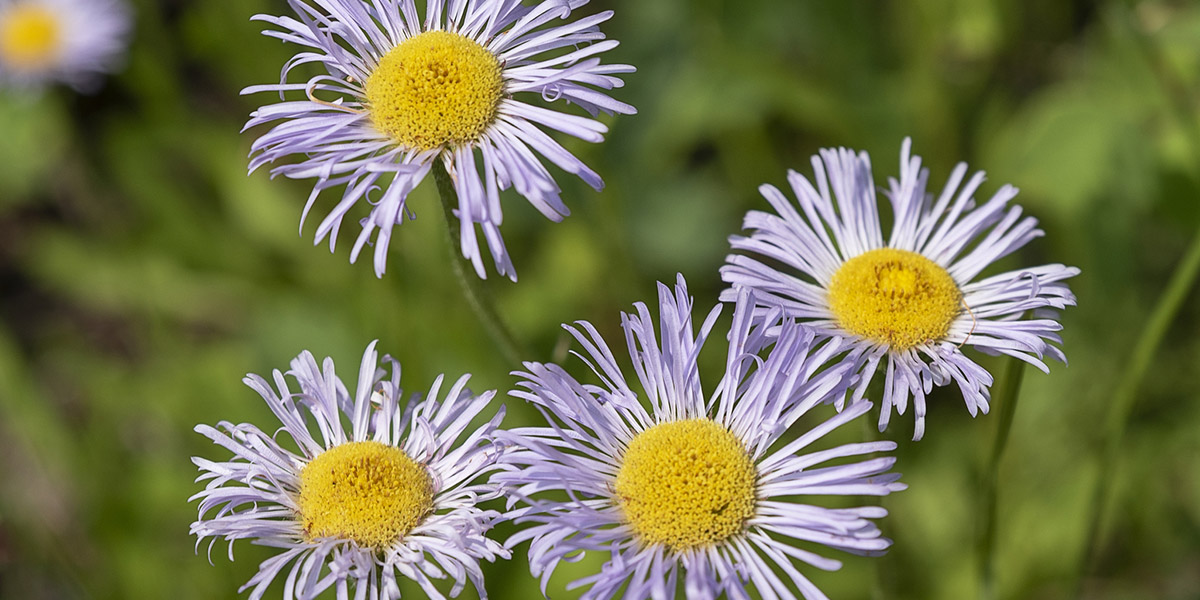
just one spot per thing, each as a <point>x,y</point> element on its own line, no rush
<point>142,273</point>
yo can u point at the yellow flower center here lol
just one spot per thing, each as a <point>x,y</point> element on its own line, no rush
<point>686,484</point>
<point>435,89</point>
<point>368,492</point>
<point>894,296</point>
<point>29,37</point>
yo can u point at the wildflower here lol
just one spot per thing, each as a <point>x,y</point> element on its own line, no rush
<point>914,298</point>
<point>381,493</point>
<point>400,93</point>
<point>73,41</point>
<point>679,487</point>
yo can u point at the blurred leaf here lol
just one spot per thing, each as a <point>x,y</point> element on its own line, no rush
<point>35,136</point>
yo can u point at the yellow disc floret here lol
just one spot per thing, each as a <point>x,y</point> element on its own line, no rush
<point>435,89</point>
<point>896,297</point>
<point>368,492</point>
<point>30,37</point>
<point>686,484</point>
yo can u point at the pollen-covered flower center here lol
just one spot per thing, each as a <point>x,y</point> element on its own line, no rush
<point>894,296</point>
<point>435,89</point>
<point>368,492</point>
<point>29,37</point>
<point>686,484</point>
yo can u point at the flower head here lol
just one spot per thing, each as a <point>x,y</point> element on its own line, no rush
<point>381,492</point>
<point>914,297</point>
<point>73,41</point>
<point>676,486</point>
<point>400,92</point>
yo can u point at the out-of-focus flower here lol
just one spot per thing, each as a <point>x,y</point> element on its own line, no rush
<point>72,41</point>
<point>399,92</point>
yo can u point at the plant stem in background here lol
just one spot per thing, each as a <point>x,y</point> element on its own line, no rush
<point>478,297</point>
<point>1124,397</point>
<point>1006,398</point>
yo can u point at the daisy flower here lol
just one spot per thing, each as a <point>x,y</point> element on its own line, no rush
<point>680,488</point>
<point>913,298</point>
<point>381,493</point>
<point>73,41</point>
<point>399,92</point>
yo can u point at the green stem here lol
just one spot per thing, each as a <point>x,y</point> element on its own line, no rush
<point>1006,398</point>
<point>477,296</point>
<point>1125,396</point>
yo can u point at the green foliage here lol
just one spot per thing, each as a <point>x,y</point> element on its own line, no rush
<point>143,273</point>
